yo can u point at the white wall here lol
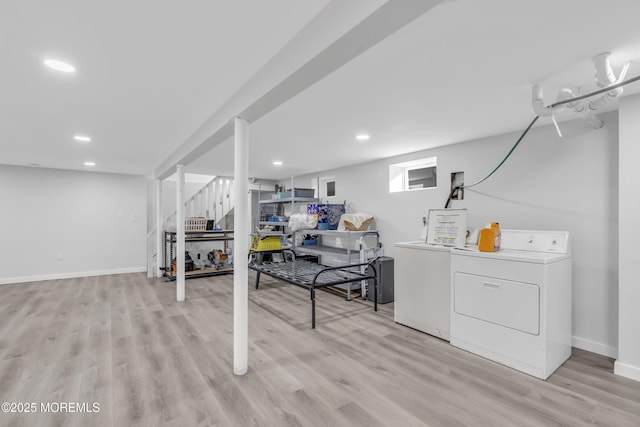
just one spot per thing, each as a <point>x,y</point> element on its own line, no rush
<point>549,183</point>
<point>95,221</point>
<point>628,363</point>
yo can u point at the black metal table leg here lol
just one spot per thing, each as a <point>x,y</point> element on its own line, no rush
<point>313,308</point>
<point>375,295</point>
<point>375,287</point>
<point>257,279</point>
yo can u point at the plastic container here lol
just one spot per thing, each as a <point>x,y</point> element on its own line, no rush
<point>490,238</point>
<point>265,243</point>
<point>195,224</point>
<point>497,235</point>
<point>299,192</point>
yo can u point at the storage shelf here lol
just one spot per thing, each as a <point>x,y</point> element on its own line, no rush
<point>202,239</point>
<point>348,239</point>
<point>322,249</point>
<point>289,200</point>
<point>337,233</point>
<point>204,231</point>
<point>269,233</point>
<point>202,273</point>
<point>273,208</point>
<point>170,243</point>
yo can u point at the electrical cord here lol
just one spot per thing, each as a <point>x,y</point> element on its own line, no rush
<point>461,186</point>
<point>453,191</point>
<point>535,119</point>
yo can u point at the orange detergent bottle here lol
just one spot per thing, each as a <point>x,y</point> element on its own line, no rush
<point>490,238</point>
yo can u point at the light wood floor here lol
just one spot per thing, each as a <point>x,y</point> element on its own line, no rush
<point>122,341</point>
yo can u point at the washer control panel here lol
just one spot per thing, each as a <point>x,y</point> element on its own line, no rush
<point>536,241</point>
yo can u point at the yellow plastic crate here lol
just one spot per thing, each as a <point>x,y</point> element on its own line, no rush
<point>265,243</point>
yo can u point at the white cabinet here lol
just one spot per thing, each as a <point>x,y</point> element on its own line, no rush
<point>421,281</point>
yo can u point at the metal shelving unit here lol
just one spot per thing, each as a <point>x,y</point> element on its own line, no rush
<point>346,251</point>
<point>280,204</point>
<point>292,200</point>
<point>222,236</point>
<point>352,249</point>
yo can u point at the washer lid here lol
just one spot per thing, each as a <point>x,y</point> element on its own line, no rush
<point>421,244</point>
<point>512,255</point>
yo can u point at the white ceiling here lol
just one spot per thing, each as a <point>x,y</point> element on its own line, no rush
<point>150,73</point>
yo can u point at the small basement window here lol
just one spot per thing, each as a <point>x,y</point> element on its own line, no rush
<point>413,175</point>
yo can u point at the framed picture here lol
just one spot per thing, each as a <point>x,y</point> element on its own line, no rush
<point>447,227</point>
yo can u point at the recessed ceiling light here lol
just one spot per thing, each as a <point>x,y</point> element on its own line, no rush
<point>82,138</point>
<point>277,163</point>
<point>89,163</point>
<point>362,137</point>
<point>59,65</point>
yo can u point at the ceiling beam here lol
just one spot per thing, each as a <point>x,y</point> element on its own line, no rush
<point>338,34</point>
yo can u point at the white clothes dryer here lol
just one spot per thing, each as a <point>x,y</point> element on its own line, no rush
<point>514,306</point>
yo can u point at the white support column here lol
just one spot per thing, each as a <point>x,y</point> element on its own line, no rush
<point>227,197</point>
<point>209,212</point>
<point>180,247</point>
<point>214,198</point>
<point>628,362</point>
<point>232,194</point>
<point>218,199</point>
<point>241,248</point>
<point>159,229</point>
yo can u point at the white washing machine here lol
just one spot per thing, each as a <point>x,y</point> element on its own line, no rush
<point>421,287</point>
<point>514,306</point>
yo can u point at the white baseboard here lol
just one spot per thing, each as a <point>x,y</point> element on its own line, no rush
<point>71,275</point>
<point>625,370</point>
<point>594,347</point>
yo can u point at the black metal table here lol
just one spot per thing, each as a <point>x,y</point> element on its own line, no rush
<point>311,276</point>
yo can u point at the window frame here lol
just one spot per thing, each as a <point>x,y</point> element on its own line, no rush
<point>403,168</point>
